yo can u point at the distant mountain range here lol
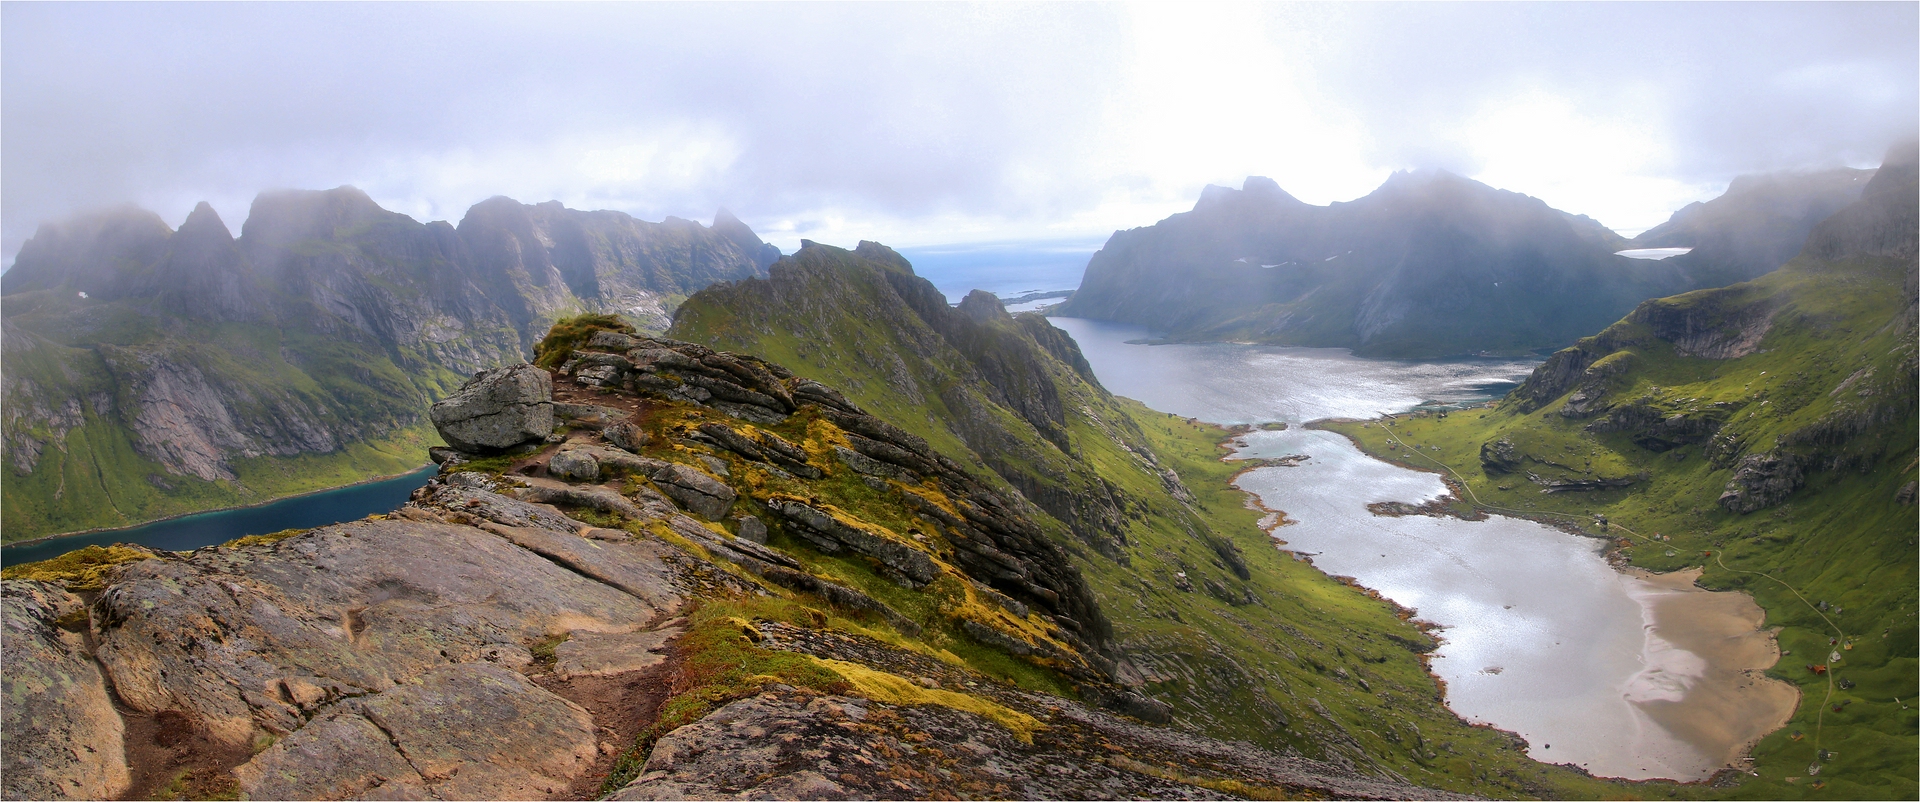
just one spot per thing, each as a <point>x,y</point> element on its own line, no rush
<point>1430,264</point>
<point>1759,223</point>
<point>151,372</point>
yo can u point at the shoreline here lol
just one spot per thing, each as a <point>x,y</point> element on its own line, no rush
<point>1730,704</point>
<point>43,539</point>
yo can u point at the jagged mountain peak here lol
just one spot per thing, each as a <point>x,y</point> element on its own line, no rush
<point>1435,185</point>
<point>280,217</point>
<point>204,222</point>
<point>983,307</point>
<point>87,252</point>
<point>1257,191</point>
<point>875,252</point>
<point>1897,170</point>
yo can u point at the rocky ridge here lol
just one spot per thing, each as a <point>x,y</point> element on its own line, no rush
<point>501,634</point>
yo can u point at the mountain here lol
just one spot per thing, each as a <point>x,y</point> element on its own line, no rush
<point>1198,610</point>
<point>1764,433</point>
<point>153,372</point>
<point>1759,223</point>
<point>1430,264</point>
<point>713,578</point>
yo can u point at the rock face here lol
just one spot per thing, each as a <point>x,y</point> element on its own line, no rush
<point>497,410</point>
<point>64,738</point>
<point>366,315</point>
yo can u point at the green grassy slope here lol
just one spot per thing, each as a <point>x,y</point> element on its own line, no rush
<point>1785,467</point>
<point>1248,644</point>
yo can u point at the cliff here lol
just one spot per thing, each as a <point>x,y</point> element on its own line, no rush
<point>152,372</point>
<point>1430,264</point>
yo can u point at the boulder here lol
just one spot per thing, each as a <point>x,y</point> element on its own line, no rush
<point>574,466</point>
<point>751,528</point>
<point>497,410</point>
<point>626,436</point>
<point>701,494</point>
<point>599,370</point>
<point>64,740</point>
<point>591,416</point>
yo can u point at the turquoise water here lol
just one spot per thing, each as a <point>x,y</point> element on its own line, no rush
<point>208,528</point>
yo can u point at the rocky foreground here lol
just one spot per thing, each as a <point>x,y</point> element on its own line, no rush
<point>560,613</point>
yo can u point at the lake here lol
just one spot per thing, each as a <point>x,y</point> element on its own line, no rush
<point>186,533</point>
<point>1541,636</point>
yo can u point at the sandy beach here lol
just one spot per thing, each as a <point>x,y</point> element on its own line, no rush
<point>1728,703</point>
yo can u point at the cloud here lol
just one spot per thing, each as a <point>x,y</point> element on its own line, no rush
<point>922,123</point>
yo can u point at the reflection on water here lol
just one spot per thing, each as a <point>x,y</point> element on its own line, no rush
<point>1228,383</point>
<point>1542,637</point>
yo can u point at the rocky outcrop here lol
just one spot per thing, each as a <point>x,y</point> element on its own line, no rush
<point>1548,485</point>
<point>831,534</point>
<point>1499,456</point>
<point>698,492</point>
<point>470,731</point>
<point>497,410</point>
<point>1763,480</point>
<point>1709,324</point>
<point>64,738</point>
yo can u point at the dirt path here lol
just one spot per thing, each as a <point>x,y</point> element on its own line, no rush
<point>623,705</point>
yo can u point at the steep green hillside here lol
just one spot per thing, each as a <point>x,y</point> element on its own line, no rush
<point>1205,614</point>
<point>150,372</point>
<point>1765,432</point>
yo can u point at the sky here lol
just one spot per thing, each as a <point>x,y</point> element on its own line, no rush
<point>921,124</point>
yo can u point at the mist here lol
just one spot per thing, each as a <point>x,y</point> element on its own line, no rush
<point>923,124</point>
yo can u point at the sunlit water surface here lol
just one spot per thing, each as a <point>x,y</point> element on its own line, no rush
<point>1541,636</point>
